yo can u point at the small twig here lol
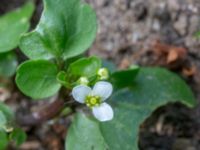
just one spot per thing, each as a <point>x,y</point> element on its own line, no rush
<point>46,113</point>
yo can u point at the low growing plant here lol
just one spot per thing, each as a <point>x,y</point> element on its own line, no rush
<point>12,26</point>
<point>119,100</point>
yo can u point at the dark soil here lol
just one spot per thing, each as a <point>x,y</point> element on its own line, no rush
<point>136,32</point>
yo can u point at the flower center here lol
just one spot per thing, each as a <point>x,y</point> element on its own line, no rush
<point>92,101</point>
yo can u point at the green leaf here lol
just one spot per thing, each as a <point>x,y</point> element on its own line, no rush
<point>153,87</point>
<point>9,114</point>
<point>37,79</point>
<point>109,65</point>
<point>71,60</point>
<point>197,34</point>
<point>124,78</point>
<point>61,77</point>
<point>85,133</point>
<point>8,64</point>
<point>13,25</point>
<point>3,141</point>
<point>3,119</point>
<point>86,67</point>
<point>19,136</point>
<point>66,29</point>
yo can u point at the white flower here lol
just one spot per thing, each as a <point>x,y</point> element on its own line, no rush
<point>94,98</point>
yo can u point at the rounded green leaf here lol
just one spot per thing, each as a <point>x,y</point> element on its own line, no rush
<point>12,25</point>
<point>8,64</point>
<point>153,87</point>
<point>197,35</point>
<point>37,79</point>
<point>86,133</point>
<point>18,136</point>
<point>3,140</point>
<point>124,78</point>
<point>8,113</point>
<point>3,119</point>
<point>66,29</point>
<point>6,117</point>
<point>86,67</point>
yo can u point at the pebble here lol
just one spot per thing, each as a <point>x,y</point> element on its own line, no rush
<point>181,24</point>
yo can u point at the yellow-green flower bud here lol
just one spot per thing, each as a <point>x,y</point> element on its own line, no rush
<point>83,81</point>
<point>103,73</point>
<point>8,128</point>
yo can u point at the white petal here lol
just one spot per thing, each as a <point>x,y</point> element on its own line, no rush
<point>80,92</point>
<point>102,89</point>
<point>104,112</point>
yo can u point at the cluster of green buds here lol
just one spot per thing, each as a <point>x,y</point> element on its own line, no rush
<point>102,74</point>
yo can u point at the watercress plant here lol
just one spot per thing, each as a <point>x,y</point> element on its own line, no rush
<point>56,63</point>
<point>9,131</point>
<point>12,25</point>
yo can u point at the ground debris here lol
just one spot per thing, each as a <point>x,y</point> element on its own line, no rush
<point>169,55</point>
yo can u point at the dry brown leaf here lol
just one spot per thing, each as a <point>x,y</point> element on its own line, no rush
<point>189,71</point>
<point>125,63</point>
<point>172,56</point>
<point>169,55</point>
